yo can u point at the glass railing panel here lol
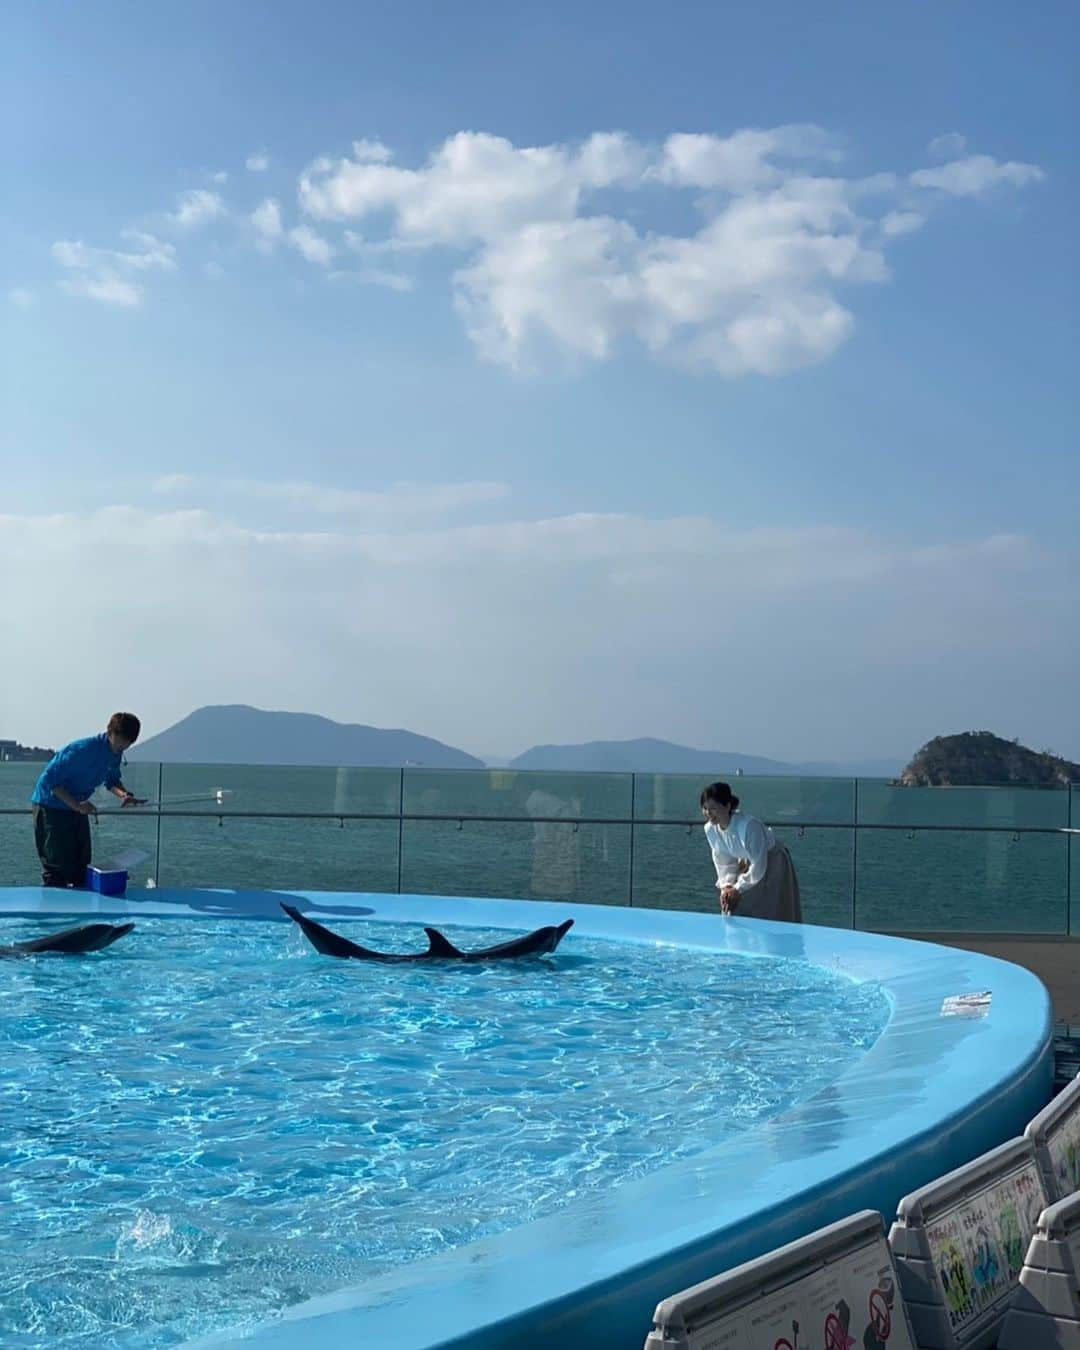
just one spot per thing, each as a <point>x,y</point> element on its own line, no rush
<point>17,782</point>
<point>583,864</point>
<point>961,881</point>
<point>511,794</point>
<point>19,865</point>
<point>294,855</point>
<point>673,869</point>
<point>305,790</point>
<point>126,838</point>
<point>665,796</point>
<point>114,833</point>
<point>964,807</point>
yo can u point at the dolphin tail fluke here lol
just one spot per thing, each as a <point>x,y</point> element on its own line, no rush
<point>325,942</point>
<point>560,932</point>
<point>438,945</point>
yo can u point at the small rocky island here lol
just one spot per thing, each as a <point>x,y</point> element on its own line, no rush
<point>981,759</point>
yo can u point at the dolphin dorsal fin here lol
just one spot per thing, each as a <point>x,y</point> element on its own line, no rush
<point>439,945</point>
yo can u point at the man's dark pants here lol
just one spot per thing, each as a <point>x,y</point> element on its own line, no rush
<point>63,845</point>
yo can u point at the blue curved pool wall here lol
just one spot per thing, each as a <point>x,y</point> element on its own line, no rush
<point>933,1092</point>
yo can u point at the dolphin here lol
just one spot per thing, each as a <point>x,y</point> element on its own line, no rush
<point>90,937</point>
<point>538,943</point>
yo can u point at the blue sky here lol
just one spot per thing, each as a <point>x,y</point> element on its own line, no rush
<point>520,374</point>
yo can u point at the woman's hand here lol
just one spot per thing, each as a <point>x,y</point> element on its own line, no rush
<point>744,866</point>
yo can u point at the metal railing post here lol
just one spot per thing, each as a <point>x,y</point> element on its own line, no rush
<point>633,806</point>
<point>855,856</point>
<point>157,845</point>
<point>400,822</point>
<point>1068,862</point>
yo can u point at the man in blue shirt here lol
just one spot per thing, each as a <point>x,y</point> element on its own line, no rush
<point>61,798</point>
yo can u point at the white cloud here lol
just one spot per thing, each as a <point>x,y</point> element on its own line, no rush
<point>475,187</point>
<point>259,162</point>
<point>108,272</point>
<point>150,252</point>
<point>371,152</point>
<point>554,249</point>
<point>947,146</point>
<point>376,276</point>
<point>213,270</point>
<point>977,174</point>
<point>196,207</point>
<point>22,297</point>
<point>896,223</point>
<point>110,290</point>
<point>221,176</point>
<point>266,219</point>
<point>555,258</point>
<point>746,160</point>
<point>313,246</point>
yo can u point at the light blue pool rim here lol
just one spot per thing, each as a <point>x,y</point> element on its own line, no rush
<point>931,1093</point>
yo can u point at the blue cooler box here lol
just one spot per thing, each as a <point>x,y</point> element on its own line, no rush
<point>106,881</point>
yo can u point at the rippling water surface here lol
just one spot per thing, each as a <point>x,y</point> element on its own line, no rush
<point>209,1122</point>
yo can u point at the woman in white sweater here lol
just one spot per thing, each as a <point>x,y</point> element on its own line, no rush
<point>754,873</point>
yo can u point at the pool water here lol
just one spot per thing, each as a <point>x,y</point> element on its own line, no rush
<point>209,1121</point>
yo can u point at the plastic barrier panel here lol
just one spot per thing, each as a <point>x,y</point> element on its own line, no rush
<point>1045,1313</point>
<point>960,1243</point>
<point>836,1288</point>
<point>1055,1132</point>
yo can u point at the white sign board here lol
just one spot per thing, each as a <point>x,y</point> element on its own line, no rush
<point>852,1302</point>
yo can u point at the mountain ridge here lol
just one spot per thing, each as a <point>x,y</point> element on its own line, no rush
<point>236,733</point>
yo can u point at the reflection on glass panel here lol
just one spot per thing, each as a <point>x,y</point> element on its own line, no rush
<point>665,796</point>
<point>516,795</point>
<point>673,869</point>
<point>882,804</point>
<point>961,881</point>
<point>305,790</point>
<point>114,833</point>
<point>586,864</point>
<point>305,855</point>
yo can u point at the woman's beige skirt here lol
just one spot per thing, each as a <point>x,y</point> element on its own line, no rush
<point>776,896</point>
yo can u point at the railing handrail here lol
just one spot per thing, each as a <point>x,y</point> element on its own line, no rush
<point>463,816</point>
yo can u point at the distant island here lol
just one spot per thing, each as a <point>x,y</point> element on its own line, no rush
<point>11,752</point>
<point>647,755</point>
<point>981,759</point>
<point>237,734</point>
